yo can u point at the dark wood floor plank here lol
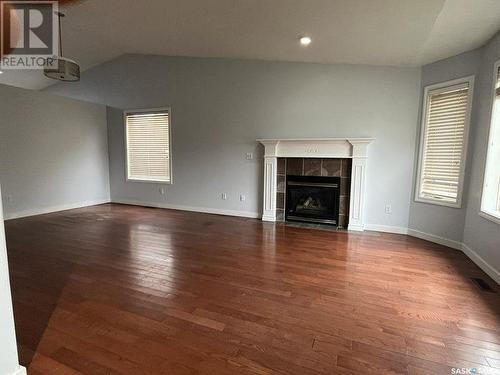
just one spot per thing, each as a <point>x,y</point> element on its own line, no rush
<point>116,289</point>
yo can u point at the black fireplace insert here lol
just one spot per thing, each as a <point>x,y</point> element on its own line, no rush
<point>312,199</point>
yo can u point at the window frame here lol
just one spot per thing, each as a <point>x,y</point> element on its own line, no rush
<point>149,110</point>
<point>441,87</point>
<point>483,212</point>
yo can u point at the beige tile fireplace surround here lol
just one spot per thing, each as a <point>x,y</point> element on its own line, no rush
<point>322,148</point>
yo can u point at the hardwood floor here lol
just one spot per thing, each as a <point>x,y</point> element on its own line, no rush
<point>116,289</point>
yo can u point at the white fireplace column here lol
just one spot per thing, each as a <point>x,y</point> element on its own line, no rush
<point>358,182</point>
<point>270,180</point>
<point>338,148</point>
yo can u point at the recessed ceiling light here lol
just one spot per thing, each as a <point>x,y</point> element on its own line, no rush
<point>305,40</point>
<point>1,72</point>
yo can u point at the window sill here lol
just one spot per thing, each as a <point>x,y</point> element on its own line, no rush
<point>150,181</point>
<point>438,203</point>
<point>491,216</point>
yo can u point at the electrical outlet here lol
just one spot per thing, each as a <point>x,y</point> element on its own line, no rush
<point>249,156</point>
<point>388,209</point>
<point>224,196</point>
<point>242,198</point>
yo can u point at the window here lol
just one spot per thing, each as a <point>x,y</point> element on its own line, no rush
<point>147,134</point>
<point>443,144</point>
<point>490,202</point>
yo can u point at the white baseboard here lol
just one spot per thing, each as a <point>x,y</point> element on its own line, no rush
<point>488,269</point>
<point>20,371</point>
<point>471,254</point>
<point>355,227</point>
<point>268,218</point>
<point>48,210</point>
<point>481,263</point>
<point>475,257</point>
<point>216,211</point>
<point>436,239</point>
<point>386,228</point>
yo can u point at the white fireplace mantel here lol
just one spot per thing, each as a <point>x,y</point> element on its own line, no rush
<point>354,148</point>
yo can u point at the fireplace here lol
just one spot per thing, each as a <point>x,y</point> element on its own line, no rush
<point>326,149</point>
<point>312,199</point>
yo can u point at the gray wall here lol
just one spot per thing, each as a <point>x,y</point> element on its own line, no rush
<point>432,219</point>
<point>53,152</point>
<point>221,106</point>
<point>482,235</point>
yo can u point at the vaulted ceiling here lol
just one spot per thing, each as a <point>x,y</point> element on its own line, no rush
<point>379,32</point>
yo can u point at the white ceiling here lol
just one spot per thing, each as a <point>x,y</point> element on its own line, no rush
<point>379,32</point>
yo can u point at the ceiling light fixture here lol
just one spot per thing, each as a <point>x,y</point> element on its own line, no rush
<point>1,72</point>
<point>61,68</point>
<point>305,40</point>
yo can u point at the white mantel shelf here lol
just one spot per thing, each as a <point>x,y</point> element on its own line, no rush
<point>354,148</point>
<point>315,139</point>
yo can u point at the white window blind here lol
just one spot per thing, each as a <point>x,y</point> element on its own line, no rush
<point>148,148</point>
<point>446,116</point>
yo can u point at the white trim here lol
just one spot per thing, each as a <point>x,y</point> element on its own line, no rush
<point>386,229</point>
<point>20,371</point>
<point>436,239</point>
<point>476,258</point>
<point>423,126</point>
<point>484,212</point>
<point>271,219</point>
<point>158,182</point>
<point>481,263</point>
<point>270,186</point>
<point>486,215</point>
<point>206,210</point>
<point>471,254</point>
<point>48,210</point>
<point>355,227</point>
<point>351,140</point>
<point>146,110</point>
<point>357,197</point>
<point>437,202</point>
